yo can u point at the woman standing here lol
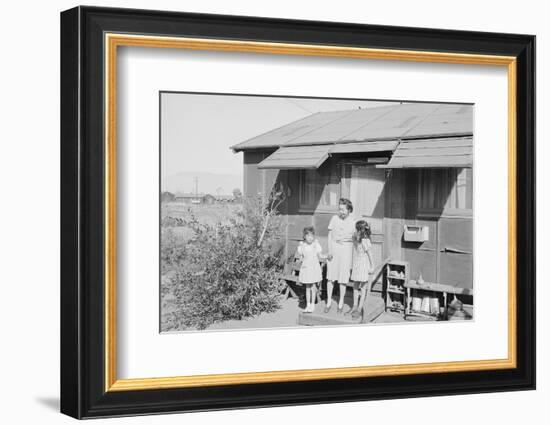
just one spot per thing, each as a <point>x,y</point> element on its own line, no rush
<point>340,248</point>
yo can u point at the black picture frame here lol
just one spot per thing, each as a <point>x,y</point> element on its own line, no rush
<point>83,392</point>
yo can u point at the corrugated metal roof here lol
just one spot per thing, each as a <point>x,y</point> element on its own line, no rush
<point>432,153</point>
<point>412,120</point>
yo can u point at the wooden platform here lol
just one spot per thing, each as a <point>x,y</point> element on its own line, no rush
<point>374,307</point>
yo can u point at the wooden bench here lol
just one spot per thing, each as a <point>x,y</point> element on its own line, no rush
<point>290,276</point>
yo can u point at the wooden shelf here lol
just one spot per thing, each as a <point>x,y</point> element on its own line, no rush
<point>394,286</point>
<point>396,291</point>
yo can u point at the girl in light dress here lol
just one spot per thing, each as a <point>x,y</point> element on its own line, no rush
<point>310,253</point>
<point>362,266</point>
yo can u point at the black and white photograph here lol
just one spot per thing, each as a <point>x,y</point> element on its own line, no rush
<point>283,212</point>
<point>301,211</point>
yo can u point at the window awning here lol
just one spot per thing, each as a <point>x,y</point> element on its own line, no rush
<point>296,157</point>
<point>312,157</point>
<point>381,146</point>
<point>432,153</point>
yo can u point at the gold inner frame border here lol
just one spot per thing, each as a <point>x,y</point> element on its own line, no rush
<point>111,43</point>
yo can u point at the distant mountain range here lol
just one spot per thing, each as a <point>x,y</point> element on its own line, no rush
<point>212,183</point>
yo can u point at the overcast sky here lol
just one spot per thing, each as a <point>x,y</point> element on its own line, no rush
<point>197,130</point>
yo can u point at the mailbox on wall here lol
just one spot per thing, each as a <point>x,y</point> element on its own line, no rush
<point>416,233</point>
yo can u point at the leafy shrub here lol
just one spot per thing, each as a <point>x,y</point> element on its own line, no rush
<point>172,250</point>
<point>169,221</point>
<point>227,270</point>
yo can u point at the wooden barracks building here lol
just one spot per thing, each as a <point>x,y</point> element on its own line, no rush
<point>407,168</point>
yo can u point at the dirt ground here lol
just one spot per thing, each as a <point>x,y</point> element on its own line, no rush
<point>286,316</point>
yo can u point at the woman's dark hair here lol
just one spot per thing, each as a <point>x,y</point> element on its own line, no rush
<point>347,203</point>
<point>308,230</point>
<point>362,231</point>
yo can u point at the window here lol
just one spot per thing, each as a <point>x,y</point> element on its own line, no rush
<point>445,189</point>
<point>321,188</point>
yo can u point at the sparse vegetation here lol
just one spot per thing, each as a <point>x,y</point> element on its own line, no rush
<point>223,268</point>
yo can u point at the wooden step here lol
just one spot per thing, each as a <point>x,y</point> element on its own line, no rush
<point>374,307</point>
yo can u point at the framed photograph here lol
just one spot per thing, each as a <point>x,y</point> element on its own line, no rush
<point>262,212</point>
